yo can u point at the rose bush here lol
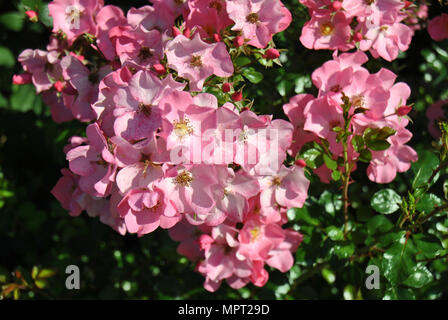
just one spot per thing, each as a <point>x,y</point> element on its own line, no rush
<point>172,137</point>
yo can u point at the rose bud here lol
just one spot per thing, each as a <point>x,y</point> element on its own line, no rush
<point>59,86</point>
<point>238,41</point>
<point>271,54</point>
<point>23,78</point>
<point>237,96</point>
<point>175,31</point>
<point>301,163</point>
<point>205,242</point>
<point>159,68</point>
<point>336,5</point>
<point>226,87</point>
<point>357,36</point>
<point>32,15</point>
<point>403,110</point>
<point>217,37</point>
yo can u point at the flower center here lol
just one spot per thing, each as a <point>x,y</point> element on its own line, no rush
<point>276,181</point>
<point>369,2</point>
<point>326,28</point>
<point>357,101</point>
<point>182,128</point>
<point>145,53</point>
<point>73,15</point>
<point>179,2</point>
<point>254,234</point>
<point>336,88</point>
<point>253,18</point>
<point>216,5</point>
<point>196,61</point>
<point>184,179</point>
<point>145,109</point>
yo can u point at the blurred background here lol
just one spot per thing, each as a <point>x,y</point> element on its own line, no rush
<point>37,234</point>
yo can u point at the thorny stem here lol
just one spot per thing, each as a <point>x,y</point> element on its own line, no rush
<point>347,169</point>
<point>345,188</point>
<point>434,212</point>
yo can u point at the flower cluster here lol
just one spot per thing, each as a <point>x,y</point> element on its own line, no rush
<point>161,152</point>
<point>375,25</point>
<point>171,142</point>
<point>369,110</point>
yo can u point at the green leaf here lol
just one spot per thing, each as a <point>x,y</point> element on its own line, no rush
<point>335,233</point>
<point>328,275</point>
<point>253,75</point>
<point>386,201</point>
<point>420,277</point>
<point>241,61</point>
<point>12,20</point>
<point>379,224</point>
<point>375,139</point>
<point>358,143</point>
<point>331,202</point>
<point>428,246</point>
<point>423,168</point>
<point>428,202</point>
<point>311,156</point>
<point>336,175</point>
<point>24,98</point>
<point>44,15</point>
<point>378,145</point>
<point>343,251</point>
<point>399,293</point>
<point>301,83</point>
<point>330,163</point>
<point>6,58</point>
<point>365,155</point>
<point>398,262</point>
<point>46,273</point>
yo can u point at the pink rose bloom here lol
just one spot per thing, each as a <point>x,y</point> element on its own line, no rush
<point>151,17</point>
<point>137,113</point>
<point>85,86</point>
<point>327,31</point>
<point>387,41</point>
<point>436,113</point>
<point>322,115</point>
<point>188,236</point>
<point>66,191</point>
<point>105,105</point>
<point>74,17</point>
<point>281,257</point>
<point>210,15</point>
<point>258,20</point>
<point>191,188</point>
<point>385,164</point>
<point>288,188</point>
<point>107,18</point>
<point>138,48</point>
<point>145,210</point>
<point>44,66</point>
<point>258,239</point>
<point>332,75</point>
<point>175,7</point>
<point>222,262</point>
<point>236,188</point>
<point>93,163</point>
<point>59,111</point>
<point>196,60</point>
<point>438,27</point>
<point>139,175</point>
<point>294,110</point>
